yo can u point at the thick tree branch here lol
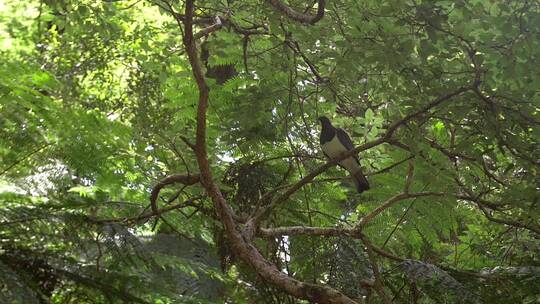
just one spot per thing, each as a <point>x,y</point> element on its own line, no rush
<point>337,231</point>
<point>332,232</point>
<point>325,232</point>
<point>240,245</point>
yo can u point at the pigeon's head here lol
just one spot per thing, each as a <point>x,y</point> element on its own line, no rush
<point>325,121</point>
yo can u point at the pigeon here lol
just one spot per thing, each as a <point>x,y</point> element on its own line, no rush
<point>334,142</point>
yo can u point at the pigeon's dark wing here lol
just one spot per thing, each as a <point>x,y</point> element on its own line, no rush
<point>345,141</point>
<point>326,155</point>
<point>359,179</point>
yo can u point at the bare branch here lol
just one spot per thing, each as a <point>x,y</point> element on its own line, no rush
<point>392,166</point>
<point>299,17</point>
<point>378,284</point>
<point>188,143</point>
<point>207,30</point>
<point>533,228</point>
<point>187,180</point>
<point>450,154</point>
<point>303,230</point>
<point>145,215</point>
<point>252,30</point>
<point>18,161</point>
<point>179,17</point>
<point>384,253</point>
<point>398,223</point>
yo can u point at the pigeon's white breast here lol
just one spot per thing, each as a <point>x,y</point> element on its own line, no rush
<point>334,148</point>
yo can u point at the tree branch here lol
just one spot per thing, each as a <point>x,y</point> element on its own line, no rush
<point>260,214</point>
<point>335,231</point>
<point>390,202</point>
<point>408,180</point>
<point>507,222</point>
<point>240,245</point>
<point>299,17</point>
<point>378,284</point>
<point>145,215</point>
<point>303,230</point>
<point>187,180</point>
<point>394,126</point>
<point>18,161</point>
<point>207,30</point>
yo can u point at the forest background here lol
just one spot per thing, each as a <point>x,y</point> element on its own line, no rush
<point>167,151</point>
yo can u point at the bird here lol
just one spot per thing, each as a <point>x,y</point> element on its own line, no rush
<point>335,141</point>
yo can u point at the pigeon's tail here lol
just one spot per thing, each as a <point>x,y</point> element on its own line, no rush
<point>360,182</point>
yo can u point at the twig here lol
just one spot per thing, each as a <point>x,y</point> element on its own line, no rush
<point>398,223</point>
<point>390,202</point>
<point>408,180</point>
<point>378,284</point>
<point>145,215</point>
<point>188,143</point>
<point>18,161</point>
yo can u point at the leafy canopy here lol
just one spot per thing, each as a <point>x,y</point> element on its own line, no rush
<point>98,105</point>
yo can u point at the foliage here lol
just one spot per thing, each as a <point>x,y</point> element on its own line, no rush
<point>98,105</point>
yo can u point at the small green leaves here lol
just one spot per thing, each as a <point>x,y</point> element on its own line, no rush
<point>83,191</point>
<point>99,103</point>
